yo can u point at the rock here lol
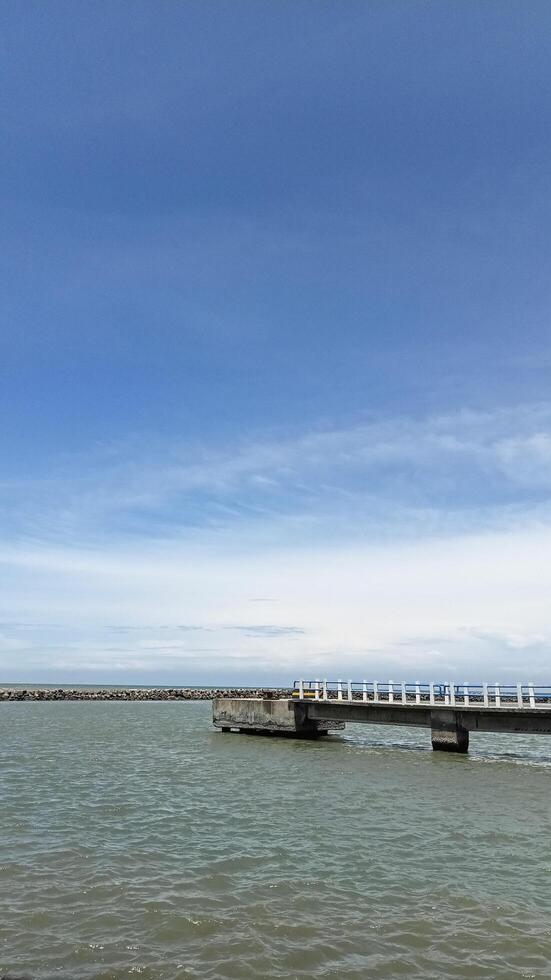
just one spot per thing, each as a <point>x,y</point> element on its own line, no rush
<point>139,694</point>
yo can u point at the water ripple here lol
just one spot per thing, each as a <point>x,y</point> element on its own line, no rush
<point>137,842</point>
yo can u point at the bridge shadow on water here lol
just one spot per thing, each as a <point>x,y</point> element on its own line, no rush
<point>514,749</point>
<point>395,744</point>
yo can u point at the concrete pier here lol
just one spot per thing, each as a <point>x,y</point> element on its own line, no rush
<point>283,716</point>
<point>449,713</point>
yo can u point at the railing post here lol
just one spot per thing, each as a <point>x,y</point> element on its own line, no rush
<point>324,693</point>
<point>497,694</point>
<point>404,695</point>
<point>417,693</point>
<point>531,694</point>
<point>301,689</point>
<point>431,692</point>
<point>519,695</point>
<point>339,690</point>
<point>364,691</point>
<point>452,693</point>
<point>390,692</point>
<point>375,690</point>
<point>316,690</point>
<point>465,693</point>
<point>349,690</point>
<point>485,694</point>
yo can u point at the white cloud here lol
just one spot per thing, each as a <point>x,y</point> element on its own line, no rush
<point>405,545</point>
<point>526,461</point>
<point>471,603</point>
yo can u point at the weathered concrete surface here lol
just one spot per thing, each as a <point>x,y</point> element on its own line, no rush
<point>278,717</point>
<point>379,713</point>
<point>535,721</point>
<point>447,733</point>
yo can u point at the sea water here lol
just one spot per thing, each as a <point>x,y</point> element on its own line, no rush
<point>137,841</point>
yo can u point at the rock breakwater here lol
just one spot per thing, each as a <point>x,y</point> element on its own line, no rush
<point>138,693</point>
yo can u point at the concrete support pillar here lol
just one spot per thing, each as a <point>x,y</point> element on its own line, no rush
<point>447,734</point>
<point>304,728</point>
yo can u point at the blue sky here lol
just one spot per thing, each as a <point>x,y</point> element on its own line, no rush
<point>275,342</point>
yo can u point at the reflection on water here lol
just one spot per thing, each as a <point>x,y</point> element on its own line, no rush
<point>136,841</point>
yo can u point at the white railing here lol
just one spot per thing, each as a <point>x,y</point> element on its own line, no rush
<point>433,693</point>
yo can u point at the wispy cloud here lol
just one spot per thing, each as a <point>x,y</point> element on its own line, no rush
<point>388,546</point>
<point>454,470</point>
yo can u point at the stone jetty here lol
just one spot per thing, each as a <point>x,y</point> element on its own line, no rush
<point>138,693</point>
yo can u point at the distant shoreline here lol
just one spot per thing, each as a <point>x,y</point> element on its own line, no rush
<point>21,693</point>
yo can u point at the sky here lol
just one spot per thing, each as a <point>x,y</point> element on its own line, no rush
<point>275,350</point>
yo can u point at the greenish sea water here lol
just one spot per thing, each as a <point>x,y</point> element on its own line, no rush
<point>136,841</point>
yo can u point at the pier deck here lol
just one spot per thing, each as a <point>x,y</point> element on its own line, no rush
<point>451,711</point>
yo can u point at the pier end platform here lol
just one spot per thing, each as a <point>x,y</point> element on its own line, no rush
<point>266,716</point>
